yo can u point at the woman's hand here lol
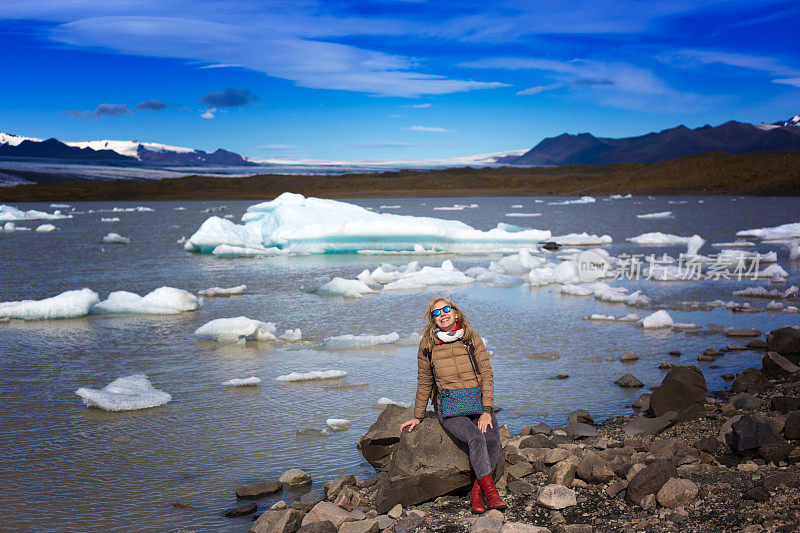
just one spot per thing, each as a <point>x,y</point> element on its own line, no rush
<point>410,424</point>
<point>485,421</point>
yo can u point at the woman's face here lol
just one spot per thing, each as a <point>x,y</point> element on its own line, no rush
<point>445,321</point>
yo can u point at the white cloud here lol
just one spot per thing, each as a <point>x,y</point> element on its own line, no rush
<point>209,113</point>
<point>278,147</point>
<point>692,58</point>
<point>795,82</point>
<point>429,129</point>
<point>420,106</point>
<point>539,89</point>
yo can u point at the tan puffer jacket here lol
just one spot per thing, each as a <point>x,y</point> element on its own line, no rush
<point>453,371</point>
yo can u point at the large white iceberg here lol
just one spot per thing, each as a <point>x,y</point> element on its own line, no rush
<point>162,301</point>
<point>69,304</point>
<point>125,394</point>
<point>8,212</point>
<point>785,231</point>
<point>296,224</point>
<point>660,239</point>
<point>236,329</point>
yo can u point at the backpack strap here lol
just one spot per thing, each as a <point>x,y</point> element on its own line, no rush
<point>427,352</point>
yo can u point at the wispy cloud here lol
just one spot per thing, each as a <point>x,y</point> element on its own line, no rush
<point>151,105</point>
<point>420,106</point>
<point>429,129</point>
<point>230,98</point>
<point>110,110</point>
<point>692,58</point>
<point>209,113</point>
<point>539,89</point>
<point>278,147</point>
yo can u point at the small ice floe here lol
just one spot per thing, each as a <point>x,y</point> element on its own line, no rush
<point>338,424</point>
<point>581,200</point>
<point>110,219</point>
<point>659,319</point>
<point>312,376</point>
<point>456,207</point>
<point>632,317</point>
<point>516,206</point>
<point>774,306</point>
<point>390,207</point>
<point>9,213</point>
<point>659,215</point>
<point>292,335</point>
<point>605,318</point>
<point>734,244</point>
<point>46,228</point>
<point>127,393</point>
<point>582,239</point>
<point>137,209</point>
<point>161,301</point>
<point>761,292</point>
<point>523,215</point>
<point>236,329</point>
<point>520,263</point>
<point>383,403</point>
<point>785,231</point>
<point>219,291</point>
<point>179,209</point>
<point>620,197</point>
<point>225,250</point>
<point>115,238</point>
<point>658,239</point>
<point>576,290</point>
<point>496,280</point>
<point>9,226</point>
<point>243,382</point>
<point>349,342</point>
<point>775,273</point>
<point>428,276</point>
<point>694,244</point>
<point>69,304</point>
<point>607,293</point>
<point>347,288</point>
<point>677,202</point>
<point>60,206</point>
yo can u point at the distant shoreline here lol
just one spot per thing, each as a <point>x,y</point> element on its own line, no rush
<point>714,173</point>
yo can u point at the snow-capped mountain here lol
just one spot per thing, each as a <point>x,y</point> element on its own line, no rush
<point>794,121</point>
<point>18,146</point>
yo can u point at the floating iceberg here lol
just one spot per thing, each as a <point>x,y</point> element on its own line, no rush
<point>125,394</point>
<point>312,376</point>
<point>8,212</point>
<point>659,319</point>
<point>45,228</point>
<point>582,239</point>
<point>347,288</point>
<point>338,424</point>
<point>111,219</point>
<point>786,231</point>
<point>292,335</point>
<point>581,200</point>
<point>69,304</point>
<point>115,238</point>
<point>660,214</point>
<point>243,382</point>
<point>382,403</point>
<point>523,215</point>
<point>162,301</point>
<point>138,209</point>
<point>734,244</point>
<point>296,224</point>
<point>219,291</point>
<point>236,329</point>
<point>761,292</point>
<point>659,239</point>
<point>428,276</point>
<point>345,342</point>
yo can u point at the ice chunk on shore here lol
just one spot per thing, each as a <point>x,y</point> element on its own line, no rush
<point>243,382</point>
<point>347,288</point>
<point>162,301</point>
<point>8,212</point>
<point>659,319</point>
<point>219,291</point>
<point>338,424</point>
<point>312,376</point>
<point>297,224</point>
<point>46,228</point>
<point>115,238</point>
<point>69,304</point>
<point>659,239</point>
<point>345,342</point>
<point>127,393</point>
<point>235,329</point>
<point>785,231</point>
<point>660,214</point>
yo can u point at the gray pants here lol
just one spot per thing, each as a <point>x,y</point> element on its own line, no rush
<point>484,448</point>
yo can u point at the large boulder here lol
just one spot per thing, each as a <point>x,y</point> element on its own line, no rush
<point>750,380</point>
<point>279,521</point>
<point>683,390</point>
<point>785,341</point>
<point>649,480</point>
<point>750,433</point>
<point>426,464</point>
<point>377,445</point>
<point>774,365</point>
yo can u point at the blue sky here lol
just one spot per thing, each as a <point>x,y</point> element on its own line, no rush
<point>390,79</point>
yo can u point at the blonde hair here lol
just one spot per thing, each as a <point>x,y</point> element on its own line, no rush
<point>429,332</point>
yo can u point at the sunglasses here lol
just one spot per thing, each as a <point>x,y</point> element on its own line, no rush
<point>437,312</point>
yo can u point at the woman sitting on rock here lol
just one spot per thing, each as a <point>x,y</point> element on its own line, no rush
<point>454,370</point>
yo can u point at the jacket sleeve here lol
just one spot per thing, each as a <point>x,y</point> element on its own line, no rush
<point>485,369</point>
<point>424,384</point>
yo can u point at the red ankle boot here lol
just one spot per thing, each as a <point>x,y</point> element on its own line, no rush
<point>493,500</point>
<point>476,499</point>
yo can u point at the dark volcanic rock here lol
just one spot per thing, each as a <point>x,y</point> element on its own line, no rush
<point>757,344</point>
<point>641,425</point>
<point>785,341</point>
<point>743,332</point>
<point>750,380</point>
<point>323,526</point>
<point>242,510</point>
<point>378,444</point>
<point>751,433</point>
<point>683,390</point>
<point>747,403</point>
<point>708,444</point>
<point>580,415</point>
<point>649,480</point>
<point>775,453</point>
<point>629,381</point>
<point>280,521</point>
<point>759,494</point>
<point>774,365</point>
<point>258,490</point>
<point>791,429</point>
<point>784,404</point>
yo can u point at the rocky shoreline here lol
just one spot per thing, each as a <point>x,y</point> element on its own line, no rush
<point>691,460</point>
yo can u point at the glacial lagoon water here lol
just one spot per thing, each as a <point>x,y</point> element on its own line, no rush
<point>67,467</point>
